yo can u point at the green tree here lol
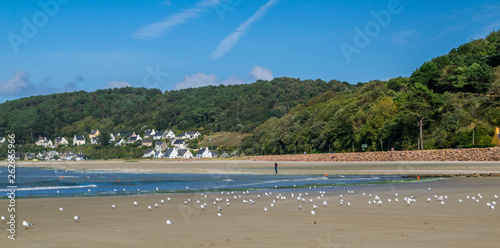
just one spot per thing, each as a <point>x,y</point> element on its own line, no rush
<point>104,138</point>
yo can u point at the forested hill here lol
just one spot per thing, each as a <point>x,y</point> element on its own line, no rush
<point>454,98</point>
<point>229,108</point>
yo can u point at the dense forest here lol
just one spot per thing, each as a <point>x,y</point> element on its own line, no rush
<point>214,108</point>
<point>450,101</point>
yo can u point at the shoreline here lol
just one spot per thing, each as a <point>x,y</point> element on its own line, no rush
<point>249,167</point>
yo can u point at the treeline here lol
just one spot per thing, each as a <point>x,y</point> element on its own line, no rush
<point>214,108</point>
<point>450,101</point>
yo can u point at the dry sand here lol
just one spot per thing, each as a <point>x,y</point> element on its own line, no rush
<point>421,224</point>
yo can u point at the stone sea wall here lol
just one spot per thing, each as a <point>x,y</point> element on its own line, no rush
<point>473,154</point>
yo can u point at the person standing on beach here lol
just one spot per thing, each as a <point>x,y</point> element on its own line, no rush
<point>276,167</point>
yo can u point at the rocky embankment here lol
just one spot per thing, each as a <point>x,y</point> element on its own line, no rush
<point>473,154</point>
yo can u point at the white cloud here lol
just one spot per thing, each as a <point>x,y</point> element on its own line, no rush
<point>261,73</point>
<point>159,28</point>
<point>232,80</point>
<point>227,43</point>
<point>18,85</point>
<point>197,80</point>
<point>118,84</point>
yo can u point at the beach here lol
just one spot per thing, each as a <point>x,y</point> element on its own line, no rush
<point>267,167</point>
<point>356,223</point>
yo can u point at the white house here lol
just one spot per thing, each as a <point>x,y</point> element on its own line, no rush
<point>160,145</point>
<point>2,139</point>
<point>149,153</point>
<point>79,157</point>
<point>168,134</point>
<point>159,154</point>
<point>171,153</point>
<point>157,135</point>
<point>78,140</point>
<point>185,153</point>
<point>94,141</point>
<point>189,135</point>
<point>204,153</point>
<point>133,139</point>
<point>43,141</point>
<point>53,153</point>
<point>180,144</point>
<point>47,143</point>
<point>119,142</point>
<point>149,133</point>
<point>61,141</point>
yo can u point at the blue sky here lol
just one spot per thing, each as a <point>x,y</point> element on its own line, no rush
<point>52,46</point>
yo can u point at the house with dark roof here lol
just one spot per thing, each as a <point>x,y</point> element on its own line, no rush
<point>61,141</point>
<point>157,135</point>
<point>149,133</point>
<point>2,139</point>
<point>168,134</point>
<point>119,142</point>
<point>185,153</point>
<point>78,140</point>
<point>47,143</point>
<point>189,135</point>
<point>171,153</point>
<point>94,140</point>
<point>147,142</point>
<point>160,145</point>
<point>133,139</point>
<point>180,144</point>
<point>204,153</point>
<point>43,141</point>
<point>93,133</point>
<point>80,157</point>
<point>149,153</point>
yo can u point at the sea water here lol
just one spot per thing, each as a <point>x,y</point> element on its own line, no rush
<point>44,182</point>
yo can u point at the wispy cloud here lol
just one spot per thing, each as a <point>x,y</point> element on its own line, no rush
<point>227,43</point>
<point>21,85</point>
<point>159,28</point>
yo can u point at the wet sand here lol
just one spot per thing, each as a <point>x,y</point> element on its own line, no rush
<point>395,224</point>
<point>261,167</point>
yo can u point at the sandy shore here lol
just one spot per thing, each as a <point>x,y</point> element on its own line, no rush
<point>262,167</point>
<point>394,224</point>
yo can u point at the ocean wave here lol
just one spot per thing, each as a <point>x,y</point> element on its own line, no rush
<point>52,187</point>
<point>49,176</point>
